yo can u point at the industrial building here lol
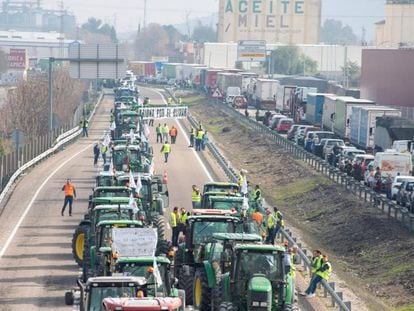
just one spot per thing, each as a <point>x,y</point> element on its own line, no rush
<point>275,21</point>
<point>330,58</point>
<point>397,28</point>
<point>387,77</point>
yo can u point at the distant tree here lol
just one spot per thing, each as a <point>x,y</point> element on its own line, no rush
<point>202,33</point>
<point>3,61</point>
<point>334,32</point>
<point>351,70</point>
<point>151,41</point>
<point>289,60</point>
<point>174,36</point>
<point>95,26</point>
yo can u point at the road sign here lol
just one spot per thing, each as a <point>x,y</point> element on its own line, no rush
<point>97,61</point>
<point>217,94</point>
<point>251,51</point>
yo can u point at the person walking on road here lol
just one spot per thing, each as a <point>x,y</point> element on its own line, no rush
<point>183,221</point>
<point>204,141</point>
<point>173,134</point>
<point>70,193</point>
<point>166,150</point>
<point>83,124</point>
<point>104,150</point>
<point>174,226</point>
<point>96,153</point>
<point>165,130</point>
<point>199,139</point>
<point>195,197</point>
<point>274,223</point>
<point>192,134</point>
<point>169,101</point>
<point>159,134</point>
<point>323,273</point>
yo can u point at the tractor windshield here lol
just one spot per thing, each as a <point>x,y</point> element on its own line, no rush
<point>146,270</point>
<point>97,294</point>
<point>226,205</point>
<point>112,193</point>
<point>265,263</point>
<point>111,214</point>
<point>204,230</point>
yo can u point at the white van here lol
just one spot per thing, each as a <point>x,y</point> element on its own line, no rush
<point>393,162</point>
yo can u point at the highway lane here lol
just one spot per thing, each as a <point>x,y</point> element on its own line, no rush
<point>38,267</point>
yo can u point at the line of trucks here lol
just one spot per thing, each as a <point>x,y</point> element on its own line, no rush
<point>128,264</point>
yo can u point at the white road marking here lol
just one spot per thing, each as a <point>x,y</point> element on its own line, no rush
<point>26,211</point>
<point>188,142</point>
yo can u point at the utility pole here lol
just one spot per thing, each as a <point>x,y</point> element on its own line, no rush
<point>62,36</point>
<point>50,85</point>
<point>145,14</point>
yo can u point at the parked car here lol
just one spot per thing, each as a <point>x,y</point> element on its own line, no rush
<point>301,142</point>
<point>275,120</point>
<point>351,152</point>
<point>284,125</point>
<point>398,180</point>
<point>404,192</point>
<point>330,144</point>
<point>292,132</point>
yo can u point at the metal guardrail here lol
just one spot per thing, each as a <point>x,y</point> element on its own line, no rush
<point>329,288</point>
<point>60,141</point>
<point>388,207</point>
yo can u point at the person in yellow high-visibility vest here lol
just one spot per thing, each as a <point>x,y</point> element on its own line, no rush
<point>323,273</point>
<point>199,139</point>
<point>166,150</point>
<point>175,216</point>
<point>195,197</point>
<point>169,100</point>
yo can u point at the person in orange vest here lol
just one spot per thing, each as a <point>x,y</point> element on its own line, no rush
<point>173,134</point>
<point>70,193</point>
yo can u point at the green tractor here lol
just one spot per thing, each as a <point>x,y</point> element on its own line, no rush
<point>257,281</point>
<point>95,215</point>
<point>221,187</point>
<point>218,261</point>
<point>94,290</point>
<point>190,255</point>
<point>144,267</point>
<point>205,200</point>
<point>131,158</point>
<point>98,254</point>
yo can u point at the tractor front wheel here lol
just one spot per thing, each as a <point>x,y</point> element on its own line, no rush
<point>78,244</point>
<point>201,292</point>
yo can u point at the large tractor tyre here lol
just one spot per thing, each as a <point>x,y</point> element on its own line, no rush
<point>163,247</point>
<point>69,299</point>
<point>227,306</point>
<point>201,292</point>
<point>78,243</point>
<point>86,264</point>
<point>185,282</point>
<point>159,222</point>
<point>217,297</point>
<point>178,262</point>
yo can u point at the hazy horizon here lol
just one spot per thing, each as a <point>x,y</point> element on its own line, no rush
<point>127,16</point>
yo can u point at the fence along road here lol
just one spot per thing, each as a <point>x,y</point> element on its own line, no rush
<point>37,267</point>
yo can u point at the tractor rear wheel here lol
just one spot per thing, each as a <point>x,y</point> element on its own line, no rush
<point>78,243</point>
<point>159,223</point>
<point>86,264</point>
<point>201,291</point>
<point>163,247</point>
<point>186,282</point>
<point>227,306</point>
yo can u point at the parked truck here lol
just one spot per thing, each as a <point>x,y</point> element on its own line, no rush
<point>142,68</point>
<point>394,132</point>
<point>226,80</point>
<point>363,123</point>
<point>314,107</point>
<point>283,98</point>
<point>328,115</point>
<point>343,112</point>
<point>264,93</point>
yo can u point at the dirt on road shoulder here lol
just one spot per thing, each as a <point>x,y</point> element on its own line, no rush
<point>372,254</point>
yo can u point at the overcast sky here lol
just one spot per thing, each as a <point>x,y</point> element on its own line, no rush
<point>128,13</point>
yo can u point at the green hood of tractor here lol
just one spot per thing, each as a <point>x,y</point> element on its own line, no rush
<point>259,284</point>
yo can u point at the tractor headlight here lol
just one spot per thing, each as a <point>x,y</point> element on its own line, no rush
<point>255,303</point>
<point>263,304</point>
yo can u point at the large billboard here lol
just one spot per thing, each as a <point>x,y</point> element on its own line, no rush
<point>17,59</point>
<point>275,21</point>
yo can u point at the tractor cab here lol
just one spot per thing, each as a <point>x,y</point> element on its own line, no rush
<point>144,267</point>
<point>105,179</point>
<point>96,289</point>
<point>226,203</point>
<point>258,279</point>
<point>205,200</point>
<point>111,192</point>
<point>221,187</point>
<point>130,158</point>
<point>140,304</point>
